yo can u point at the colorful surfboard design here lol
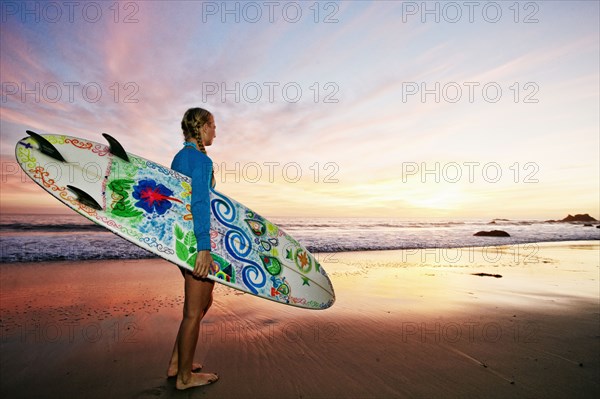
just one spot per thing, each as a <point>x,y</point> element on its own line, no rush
<point>149,205</point>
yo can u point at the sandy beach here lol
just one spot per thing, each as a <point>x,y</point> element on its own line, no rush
<point>406,324</point>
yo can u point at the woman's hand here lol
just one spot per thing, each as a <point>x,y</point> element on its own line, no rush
<point>203,262</point>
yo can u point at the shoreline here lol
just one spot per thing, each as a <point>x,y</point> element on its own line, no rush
<point>326,253</point>
<point>406,323</point>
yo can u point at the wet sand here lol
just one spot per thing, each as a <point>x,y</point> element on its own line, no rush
<point>413,323</point>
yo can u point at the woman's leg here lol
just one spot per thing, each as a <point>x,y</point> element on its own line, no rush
<point>174,363</point>
<point>198,298</point>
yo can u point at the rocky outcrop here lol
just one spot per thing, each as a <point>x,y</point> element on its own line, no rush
<point>580,217</point>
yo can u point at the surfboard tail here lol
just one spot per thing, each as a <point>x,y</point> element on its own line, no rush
<point>115,147</point>
<point>84,197</point>
<point>46,147</point>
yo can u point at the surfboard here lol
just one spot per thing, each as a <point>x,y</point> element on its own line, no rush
<point>148,204</point>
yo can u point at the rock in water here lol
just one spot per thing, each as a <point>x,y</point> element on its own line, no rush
<point>493,233</point>
<point>488,275</point>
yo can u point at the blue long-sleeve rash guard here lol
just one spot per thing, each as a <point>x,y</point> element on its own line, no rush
<point>198,166</point>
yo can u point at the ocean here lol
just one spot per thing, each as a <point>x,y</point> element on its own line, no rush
<point>34,238</point>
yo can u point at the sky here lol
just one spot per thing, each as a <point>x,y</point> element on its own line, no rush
<point>323,109</point>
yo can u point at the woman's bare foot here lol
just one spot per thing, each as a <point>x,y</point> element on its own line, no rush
<point>196,380</point>
<point>172,370</point>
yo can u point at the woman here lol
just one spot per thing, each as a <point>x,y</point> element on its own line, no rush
<point>199,128</point>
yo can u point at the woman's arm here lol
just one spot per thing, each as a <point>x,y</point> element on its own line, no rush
<point>201,175</point>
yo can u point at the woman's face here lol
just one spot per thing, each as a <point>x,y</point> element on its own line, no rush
<point>208,132</point>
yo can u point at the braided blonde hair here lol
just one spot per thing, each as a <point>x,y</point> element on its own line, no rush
<point>192,122</point>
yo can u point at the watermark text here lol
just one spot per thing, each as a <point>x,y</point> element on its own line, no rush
<point>471,92</point>
<point>69,92</point>
<point>270,92</point>
<point>53,12</point>
<point>471,171</point>
<point>270,12</point>
<point>453,12</point>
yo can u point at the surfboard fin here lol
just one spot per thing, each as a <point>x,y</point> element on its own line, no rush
<point>84,197</point>
<point>46,147</point>
<point>115,147</point>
